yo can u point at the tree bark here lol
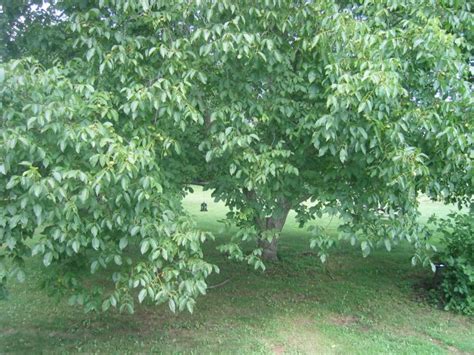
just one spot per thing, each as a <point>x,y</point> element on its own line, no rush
<point>269,249</point>
<point>274,225</point>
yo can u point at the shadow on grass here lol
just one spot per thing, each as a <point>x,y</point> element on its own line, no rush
<point>353,304</point>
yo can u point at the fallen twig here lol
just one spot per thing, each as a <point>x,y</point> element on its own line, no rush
<point>219,284</point>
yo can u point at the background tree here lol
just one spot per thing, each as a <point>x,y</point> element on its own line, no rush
<point>354,107</point>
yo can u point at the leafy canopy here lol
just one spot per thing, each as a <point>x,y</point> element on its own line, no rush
<point>111,108</point>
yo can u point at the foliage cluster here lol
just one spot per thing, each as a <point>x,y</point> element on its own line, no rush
<point>457,285</point>
<point>110,109</point>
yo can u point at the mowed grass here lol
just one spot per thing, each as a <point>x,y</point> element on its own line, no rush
<point>356,305</point>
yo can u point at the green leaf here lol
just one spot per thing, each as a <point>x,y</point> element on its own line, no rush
<point>172,305</point>
<point>37,189</point>
<point>11,183</point>
<point>365,248</point>
<point>84,195</point>
<point>95,243</point>
<point>208,156</point>
<point>47,258</point>
<point>123,243</point>
<point>118,259</point>
<point>94,266</point>
<point>142,295</point>
<point>20,276</point>
<point>144,246</point>
<point>37,209</point>
<point>90,54</point>
<point>343,155</point>
<point>75,246</point>
<point>134,230</point>
<point>323,257</point>
<point>190,305</point>
<point>105,305</point>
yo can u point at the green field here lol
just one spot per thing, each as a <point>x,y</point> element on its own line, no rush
<point>364,305</point>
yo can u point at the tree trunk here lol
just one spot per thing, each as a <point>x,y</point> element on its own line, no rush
<point>273,225</point>
<point>269,225</point>
<point>269,249</point>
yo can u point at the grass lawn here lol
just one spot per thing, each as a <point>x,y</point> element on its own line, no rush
<point>367,305</point>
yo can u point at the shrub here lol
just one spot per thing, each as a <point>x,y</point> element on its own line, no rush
<point>457,286</point>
